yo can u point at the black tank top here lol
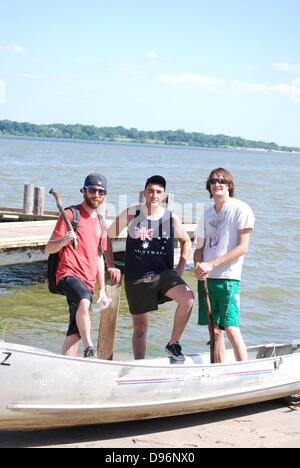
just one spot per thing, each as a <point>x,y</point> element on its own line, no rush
<point>149,246</point>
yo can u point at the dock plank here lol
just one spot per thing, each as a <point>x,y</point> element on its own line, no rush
<point>27,234</point>
<point>25,241</point>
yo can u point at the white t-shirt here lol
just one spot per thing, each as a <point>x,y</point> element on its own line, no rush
<point>220,232</point>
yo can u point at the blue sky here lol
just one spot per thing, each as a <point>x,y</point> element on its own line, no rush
<point>218,66</point>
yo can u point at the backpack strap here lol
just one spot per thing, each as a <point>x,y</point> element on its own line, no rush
<point>76,216</point>
<point>76,219</point>
<point>102,226</point>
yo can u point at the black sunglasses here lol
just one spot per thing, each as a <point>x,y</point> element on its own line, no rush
<point>216,181</point>
<point>93,191</point>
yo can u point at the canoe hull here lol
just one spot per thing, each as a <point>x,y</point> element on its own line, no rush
<point>44,390</point>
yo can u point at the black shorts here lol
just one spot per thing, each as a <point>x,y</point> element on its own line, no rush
<point>144,295</point>
<point>75,290</point>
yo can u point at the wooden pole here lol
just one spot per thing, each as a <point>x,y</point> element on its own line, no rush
<point>63,214</point>
<point>210,321</point>
<point>39,201</point>
<point>108,322</point>
<point>28,199</point>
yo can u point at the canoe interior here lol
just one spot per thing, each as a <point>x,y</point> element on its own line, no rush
<point>254,353</point>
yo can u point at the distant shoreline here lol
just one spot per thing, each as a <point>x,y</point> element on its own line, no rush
<point>82,141</point>
<point>89,133</point>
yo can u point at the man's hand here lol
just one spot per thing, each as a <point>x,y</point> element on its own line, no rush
<point>115,275</point>
<point>181,267</point>
<point>69,238</point>
<point>101,295</point>
<point>202,270</point>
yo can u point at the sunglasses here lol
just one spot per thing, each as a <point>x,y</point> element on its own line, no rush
<point>218,181</point>
<point>93,191</point>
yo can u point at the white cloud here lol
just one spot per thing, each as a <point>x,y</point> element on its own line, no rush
<point>32,76</point>
<point>2,92</point>
<point>286,67</point>
<point>47,80</point>
<point>292,90</point>
<point>207,82</point>
<point>15,48</point>
<point>152,55</point>
<point>127,70</point>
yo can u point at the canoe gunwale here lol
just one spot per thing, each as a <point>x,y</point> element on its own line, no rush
<point>148,364</point>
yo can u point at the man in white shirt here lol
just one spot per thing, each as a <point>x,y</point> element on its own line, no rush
<point>223,238</point>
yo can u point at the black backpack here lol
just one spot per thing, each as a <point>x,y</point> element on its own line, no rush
<point>54,259</point>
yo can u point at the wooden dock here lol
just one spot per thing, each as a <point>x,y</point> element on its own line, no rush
<point>24,242</point>
<point>25,232</point>
<point>17,214</point>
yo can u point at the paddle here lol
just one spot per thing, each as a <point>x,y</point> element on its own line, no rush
<point>63,214</point>
<point>108,321</point>
<point>210,321</point>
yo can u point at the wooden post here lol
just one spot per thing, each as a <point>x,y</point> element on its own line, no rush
<point>108,322</point>
<point>102,208</point>
<point>28,199</point>
<point>170,201</point>
<point>141,197</point>
<point>39,201</point>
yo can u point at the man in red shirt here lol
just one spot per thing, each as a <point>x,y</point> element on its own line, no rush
<point>79,269</point>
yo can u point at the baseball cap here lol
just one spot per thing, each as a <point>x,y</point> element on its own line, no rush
<point>156,179</point>
<point>96,179</point>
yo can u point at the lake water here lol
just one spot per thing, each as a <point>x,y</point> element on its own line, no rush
<point>268,182</point>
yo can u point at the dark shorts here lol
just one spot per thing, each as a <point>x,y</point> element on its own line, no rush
<point>75,290</point>
<point>144,295</point>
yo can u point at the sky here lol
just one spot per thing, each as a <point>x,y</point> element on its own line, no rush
<point>217,66</point>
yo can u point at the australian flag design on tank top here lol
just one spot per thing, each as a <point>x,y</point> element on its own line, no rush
<point>149,246</point>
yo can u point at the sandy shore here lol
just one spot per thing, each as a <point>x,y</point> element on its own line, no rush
<point>266,425</point>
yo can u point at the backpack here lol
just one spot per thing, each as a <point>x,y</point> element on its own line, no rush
<point>54,259</point>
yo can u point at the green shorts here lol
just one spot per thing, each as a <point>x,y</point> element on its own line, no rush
<point>224,298</point>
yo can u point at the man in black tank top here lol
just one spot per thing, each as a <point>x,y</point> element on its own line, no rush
<point>150,278</point>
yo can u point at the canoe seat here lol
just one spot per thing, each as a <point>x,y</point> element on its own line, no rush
<point>274,350</point>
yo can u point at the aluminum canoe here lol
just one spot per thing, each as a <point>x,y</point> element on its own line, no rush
<point>39,389</point>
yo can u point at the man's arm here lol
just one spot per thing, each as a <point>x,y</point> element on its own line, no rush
<point>57,242</point>
<point>181,235</point>
<point>198,254</point>
<point>203,268</point>
<point>120,223</point>
<point>100,278</point>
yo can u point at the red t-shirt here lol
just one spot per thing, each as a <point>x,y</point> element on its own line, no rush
<point>81,262</point>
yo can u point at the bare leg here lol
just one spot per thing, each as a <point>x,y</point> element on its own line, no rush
<point>184,297</point>
<point>237,342</point>
<point>70,346</point>
<point>83,322</point>
<point>140,328</point>
<point>219,345</point>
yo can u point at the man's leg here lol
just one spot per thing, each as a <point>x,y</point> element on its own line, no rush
<point>79,299</point>
<point>70,346</point>
<point>184,297</point>
<point>219,345</point>
<point>140,328</point>
<point>237,342</point>
<point>83,322</point>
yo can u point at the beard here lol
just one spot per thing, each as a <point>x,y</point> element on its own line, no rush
<point>92,203</point>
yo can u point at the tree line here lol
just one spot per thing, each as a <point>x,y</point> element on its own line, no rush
<point>133,135</point>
